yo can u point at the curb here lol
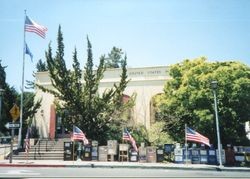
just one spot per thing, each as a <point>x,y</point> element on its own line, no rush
<point>31,165</point>
<point>108,166</point>
<point>93,165</point>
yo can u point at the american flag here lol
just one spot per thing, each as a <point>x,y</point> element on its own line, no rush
<point>192,135</point>
<point>27,141</point>
<point>127,136</point>
<point>79,135</point>
<point>32,26</point>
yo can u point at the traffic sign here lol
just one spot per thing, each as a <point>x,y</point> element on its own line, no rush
<point>15,113</point>
<point>11,125</point>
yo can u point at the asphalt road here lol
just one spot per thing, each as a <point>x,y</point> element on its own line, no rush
<point>28,172</point>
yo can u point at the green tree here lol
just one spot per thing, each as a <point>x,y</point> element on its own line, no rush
<point>115,58</point>
<point>157,135</point>
<point>80,103</point>
<point>188,99</point>
<point>10,97</point>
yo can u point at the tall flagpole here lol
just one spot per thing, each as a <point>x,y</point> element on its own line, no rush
<point>186,141</point>
<point>22,89</point>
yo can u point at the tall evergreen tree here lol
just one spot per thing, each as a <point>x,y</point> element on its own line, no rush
<point>80,102</point>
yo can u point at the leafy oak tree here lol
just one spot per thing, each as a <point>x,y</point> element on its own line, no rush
<point>78,99</point>
<point>188,99</point>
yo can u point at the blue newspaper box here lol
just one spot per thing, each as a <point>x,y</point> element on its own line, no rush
<point>196,156</point>
<point>168,148</point>
<point>211,158</point>
<point>203,156</point>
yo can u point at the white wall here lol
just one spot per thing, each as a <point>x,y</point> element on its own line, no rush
<point>145,82</point>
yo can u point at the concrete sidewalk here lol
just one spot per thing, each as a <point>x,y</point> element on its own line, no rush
<point>98,164</point>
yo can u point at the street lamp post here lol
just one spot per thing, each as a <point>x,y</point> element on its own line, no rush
<point>1,94</point>
<point>214,85</point>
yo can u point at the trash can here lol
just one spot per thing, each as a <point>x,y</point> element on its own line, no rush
<point>151,154</point>
<point>230,157</point>
<point>68,151</point>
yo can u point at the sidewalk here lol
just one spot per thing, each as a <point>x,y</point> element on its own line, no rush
<point>98,164</point>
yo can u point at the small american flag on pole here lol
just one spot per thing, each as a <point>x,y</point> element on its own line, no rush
<point>192,135</point>
<point>27,141</point>
<point>32,26</point>
<point>79,135</point>
<point>127,136</point>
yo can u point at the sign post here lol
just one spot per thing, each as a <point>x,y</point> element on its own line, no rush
<point>15,113</point>
<point>11,145</point>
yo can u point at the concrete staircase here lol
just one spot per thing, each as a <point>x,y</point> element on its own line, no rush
<point>45,149</point>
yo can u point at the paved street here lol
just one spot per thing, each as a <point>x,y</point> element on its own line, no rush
<point>27,172</point>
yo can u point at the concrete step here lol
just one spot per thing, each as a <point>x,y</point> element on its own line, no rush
<point>44,150</point>
<point>41,153</point>
<point>38,158</point>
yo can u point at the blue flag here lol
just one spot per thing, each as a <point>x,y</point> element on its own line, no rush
<point>28,52</point>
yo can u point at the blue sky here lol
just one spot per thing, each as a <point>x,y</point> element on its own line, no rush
<point>151,32</point>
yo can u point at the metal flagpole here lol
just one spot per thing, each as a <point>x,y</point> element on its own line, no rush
<point>22,89</point>
<point>186,141</point>
<point>73,151</point>
<point>73,147</point>
<point>122,143</point>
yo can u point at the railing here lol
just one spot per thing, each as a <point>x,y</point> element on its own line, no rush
<point>38,145</point>
<point>37,148</point>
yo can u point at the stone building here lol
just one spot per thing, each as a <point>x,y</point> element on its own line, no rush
<point>145,82</point>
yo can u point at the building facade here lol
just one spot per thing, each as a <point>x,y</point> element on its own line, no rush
<point>144,82</point>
